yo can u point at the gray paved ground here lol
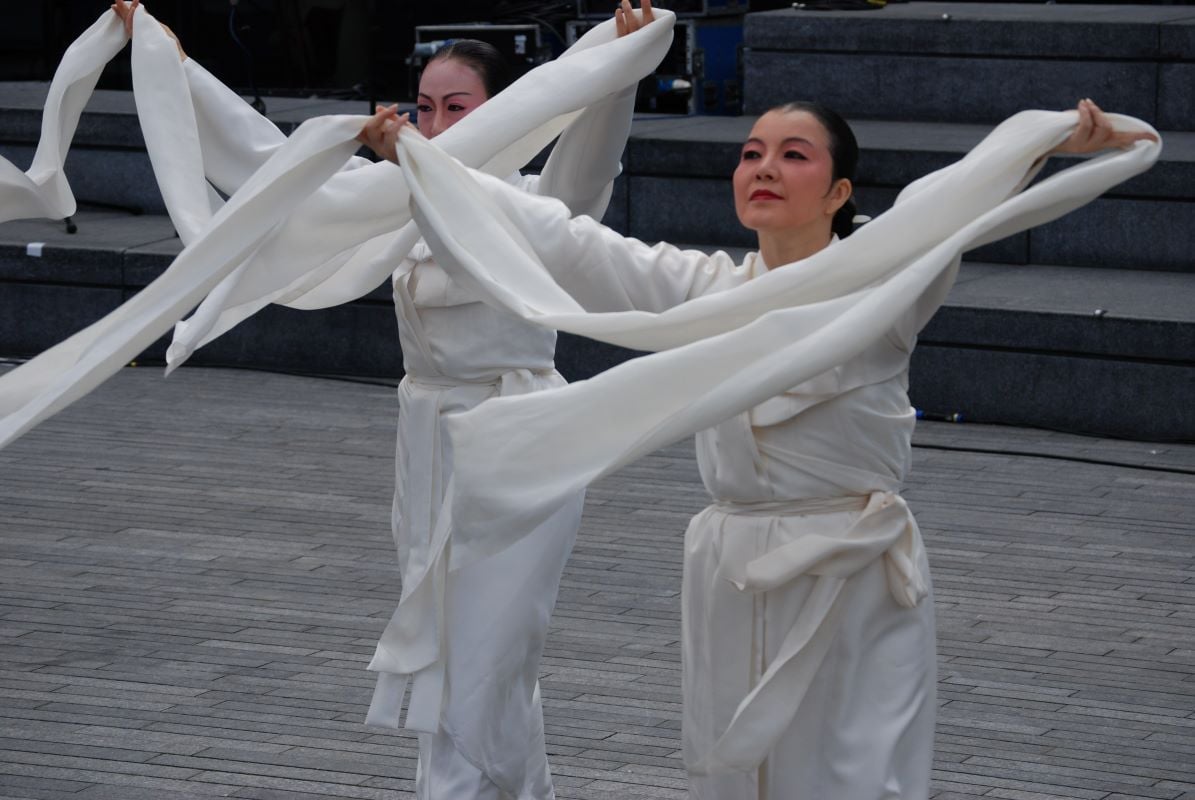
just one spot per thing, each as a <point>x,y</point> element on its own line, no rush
<point>194,571</point>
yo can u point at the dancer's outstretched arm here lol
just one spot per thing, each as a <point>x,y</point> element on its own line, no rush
<point>601,269</point>
<point>1093,134</point>
<point>125,10</point>
<point>588,155</point>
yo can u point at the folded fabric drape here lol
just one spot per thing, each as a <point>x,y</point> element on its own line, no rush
<point>885,529</point>
<point>295,225</point>
<point>722,353</point>
<point>43,191</point>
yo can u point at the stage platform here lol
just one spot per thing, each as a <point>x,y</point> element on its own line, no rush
<point>194,571</point>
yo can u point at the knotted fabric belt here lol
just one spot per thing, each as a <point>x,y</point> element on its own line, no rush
<point>514,380</point>
<point>885,529</point>
<point>794,508</point>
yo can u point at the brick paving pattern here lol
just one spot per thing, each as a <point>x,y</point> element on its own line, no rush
<point>193,573</point>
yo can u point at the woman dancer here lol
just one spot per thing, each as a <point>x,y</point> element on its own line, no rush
<point>457,352</point>
<point>808,633</point>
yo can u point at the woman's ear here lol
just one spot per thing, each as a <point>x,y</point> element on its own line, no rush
<point>839,193</point>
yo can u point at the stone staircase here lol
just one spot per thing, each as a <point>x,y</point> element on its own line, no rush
<point>1086,324</point>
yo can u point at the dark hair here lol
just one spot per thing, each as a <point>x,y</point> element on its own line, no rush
<point>844,155</point>
<point>481,57</point>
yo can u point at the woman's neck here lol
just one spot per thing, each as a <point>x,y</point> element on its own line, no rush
<point>777,248</point>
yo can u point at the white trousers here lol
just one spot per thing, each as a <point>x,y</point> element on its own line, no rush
<point>444,774</point>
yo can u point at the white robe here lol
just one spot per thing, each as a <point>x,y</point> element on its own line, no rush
<point>808,646</point>
<point>458,352</point>
<point>807,671</point>
<point>490,626</point>
<point>839,669</point>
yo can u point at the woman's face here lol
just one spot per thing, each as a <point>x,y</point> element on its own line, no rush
<point>448,90</point>
<point>784,177</point>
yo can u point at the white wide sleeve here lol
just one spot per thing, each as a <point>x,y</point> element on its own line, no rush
<point>235,139</point>
<point>588,156</point>
<point>922,310</point>
<point>601,269</point>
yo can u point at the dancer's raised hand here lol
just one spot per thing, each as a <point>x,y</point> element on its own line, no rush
<point>380,133</point>
<point>1094,133</point>
<point>625,20</point>
<point>125,10</point>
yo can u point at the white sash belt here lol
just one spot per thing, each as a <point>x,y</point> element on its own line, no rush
<point>513,381</point>
<point>885,529</point>
<point>794,508</point>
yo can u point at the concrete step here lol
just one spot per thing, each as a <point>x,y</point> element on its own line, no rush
<point>74,279</point>
<point>1101,350</point>
<point>976,62</point>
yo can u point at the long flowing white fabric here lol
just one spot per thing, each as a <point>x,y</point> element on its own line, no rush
<point>499,137</point>
<point>43,191</point>
<point>297,223</point>
<point>722,353</point>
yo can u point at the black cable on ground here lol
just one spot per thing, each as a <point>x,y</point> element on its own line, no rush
<point>959,417</point>
<point>391,383</point>
<point>998,451</point>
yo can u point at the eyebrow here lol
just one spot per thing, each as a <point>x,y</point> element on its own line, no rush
<point>757,140</point>
<point>445,97</point>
